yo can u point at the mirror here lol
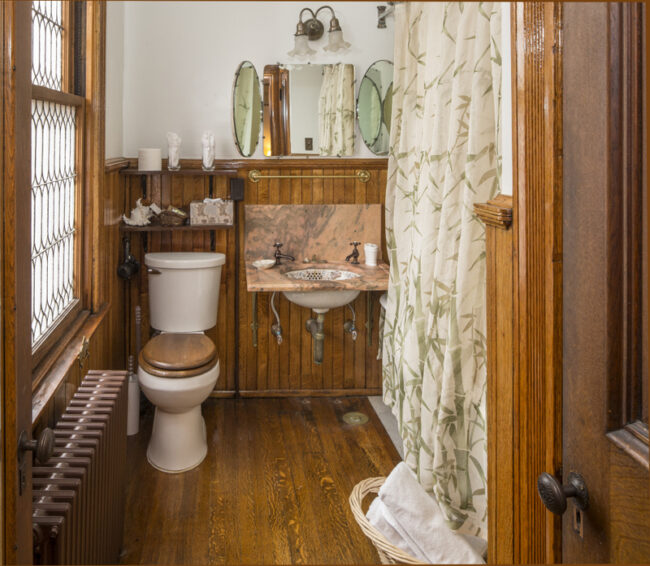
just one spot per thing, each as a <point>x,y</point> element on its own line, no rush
<point>374,106</point>
<point>247,108</point>
<point>309,109</point>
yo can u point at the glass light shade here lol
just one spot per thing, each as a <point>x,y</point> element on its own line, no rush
<point>301,47</point>
<point>336,41</point>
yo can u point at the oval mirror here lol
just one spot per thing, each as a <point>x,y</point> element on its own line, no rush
<point>369,111</point>
<point>374,105</point>
<point>388,106</point>
<point>246,108</point>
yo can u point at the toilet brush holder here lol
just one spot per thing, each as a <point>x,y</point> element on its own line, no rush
<point>133,411</point>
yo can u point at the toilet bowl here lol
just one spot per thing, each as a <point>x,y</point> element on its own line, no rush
<point>179,367</point>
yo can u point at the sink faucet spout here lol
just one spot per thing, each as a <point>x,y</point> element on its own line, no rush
<point>279,255</point>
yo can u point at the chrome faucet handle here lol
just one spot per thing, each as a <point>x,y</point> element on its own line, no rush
<point>278,245</point>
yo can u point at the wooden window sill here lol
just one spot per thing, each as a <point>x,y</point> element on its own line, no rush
<point>51,372</point>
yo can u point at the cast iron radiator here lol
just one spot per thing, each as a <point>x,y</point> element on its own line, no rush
<point>78,494</point>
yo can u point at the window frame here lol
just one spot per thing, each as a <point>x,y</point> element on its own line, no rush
<point>48,348</point>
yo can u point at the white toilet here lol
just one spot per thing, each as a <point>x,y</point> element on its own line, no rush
<point>179,367</point>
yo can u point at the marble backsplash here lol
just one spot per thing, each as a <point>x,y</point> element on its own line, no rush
<point>323,231</point>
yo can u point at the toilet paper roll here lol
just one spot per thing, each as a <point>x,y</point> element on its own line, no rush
<point>149,159</point>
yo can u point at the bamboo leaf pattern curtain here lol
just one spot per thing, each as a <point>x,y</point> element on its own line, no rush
<point>444,157</point>
<point>336,110</point>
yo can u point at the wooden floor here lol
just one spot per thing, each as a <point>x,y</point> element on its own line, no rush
<point>273,489</point>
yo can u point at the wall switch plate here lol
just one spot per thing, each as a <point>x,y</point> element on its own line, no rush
<point>237,189</point>
<point>309,143</point>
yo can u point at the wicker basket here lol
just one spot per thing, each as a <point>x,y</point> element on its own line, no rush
<point>172,218</point>
<point>388,553</point>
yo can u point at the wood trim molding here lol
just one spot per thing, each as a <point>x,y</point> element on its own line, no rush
<point>496,212</point>
<point>65,98</point>
<point>94,149</point>
<point>282,163</point>
<point>524,301</point>
<point>537,220</point>
<point>500,298</point>
<point>115,164</point>
<point>15,303</point>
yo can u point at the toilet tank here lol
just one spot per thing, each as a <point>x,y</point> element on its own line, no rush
<point>183,290</point>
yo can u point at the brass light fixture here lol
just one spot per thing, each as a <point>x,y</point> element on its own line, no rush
<point>312,29</point>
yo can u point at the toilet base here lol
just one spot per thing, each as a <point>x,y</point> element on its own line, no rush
<point>178,441</point>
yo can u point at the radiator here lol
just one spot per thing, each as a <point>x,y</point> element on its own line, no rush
<point>79,494</point>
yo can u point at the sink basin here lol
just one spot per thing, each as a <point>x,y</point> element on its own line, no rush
<point>321,275</point>
<point>322,300</point>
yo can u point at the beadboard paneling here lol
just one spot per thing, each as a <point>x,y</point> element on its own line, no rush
<point>269,369</point>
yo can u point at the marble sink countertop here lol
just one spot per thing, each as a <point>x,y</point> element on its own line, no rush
<point>274,279</point>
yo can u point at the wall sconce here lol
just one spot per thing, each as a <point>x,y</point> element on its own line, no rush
<point>312,29</point>
<point>383,12</point>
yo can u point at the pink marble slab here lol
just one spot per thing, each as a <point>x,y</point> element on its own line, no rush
<point>275,279</point>
<point>321,231</point>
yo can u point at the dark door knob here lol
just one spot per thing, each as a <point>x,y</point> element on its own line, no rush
<point>42,448</point>
<point>554,495</point>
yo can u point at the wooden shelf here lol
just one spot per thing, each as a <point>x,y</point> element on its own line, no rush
<point>183,172</point>
<point>184,227</point>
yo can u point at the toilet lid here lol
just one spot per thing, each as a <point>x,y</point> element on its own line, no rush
<point>179,352</point>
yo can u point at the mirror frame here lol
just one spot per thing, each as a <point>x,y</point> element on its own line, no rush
<point>381,104</point>
<point>261,96</point>
<point>383,121</point>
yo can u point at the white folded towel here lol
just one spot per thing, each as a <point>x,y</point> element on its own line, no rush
<point>412,520</point>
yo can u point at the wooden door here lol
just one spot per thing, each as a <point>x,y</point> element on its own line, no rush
<point>15,279</point>
<point>605,290</point>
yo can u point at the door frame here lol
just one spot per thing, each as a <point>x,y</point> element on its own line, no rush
<point>537,201</point>
<point>15,277</point>
<point>524,292</point>
<point>524,300</point>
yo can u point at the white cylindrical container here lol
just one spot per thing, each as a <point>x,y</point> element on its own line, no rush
<point>183,290</point>
<point>149,159</point>
<point>370,251</point>
<point>133,416</point>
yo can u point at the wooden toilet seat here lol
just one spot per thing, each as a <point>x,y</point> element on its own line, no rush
<point>178,355</point>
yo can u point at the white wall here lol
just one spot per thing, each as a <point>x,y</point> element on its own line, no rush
<point>114,78</point>
<point>180,59</point>
<point>506,101</point>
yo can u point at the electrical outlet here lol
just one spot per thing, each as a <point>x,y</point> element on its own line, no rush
<point>309,144</point>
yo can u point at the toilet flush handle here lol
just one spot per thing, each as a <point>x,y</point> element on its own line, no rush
<point>152,271</point>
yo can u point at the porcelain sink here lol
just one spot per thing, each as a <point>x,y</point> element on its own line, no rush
<point>321,300</point>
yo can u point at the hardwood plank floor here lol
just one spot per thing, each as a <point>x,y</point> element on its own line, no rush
<point>273,489</point>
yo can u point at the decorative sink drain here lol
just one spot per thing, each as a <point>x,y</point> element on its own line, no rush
<point>355,418</point>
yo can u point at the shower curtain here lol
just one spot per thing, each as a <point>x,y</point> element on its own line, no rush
<point>444,157</point>
<point>336,110</point>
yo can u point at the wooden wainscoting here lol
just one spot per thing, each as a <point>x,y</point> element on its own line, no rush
<point>268,369</point>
